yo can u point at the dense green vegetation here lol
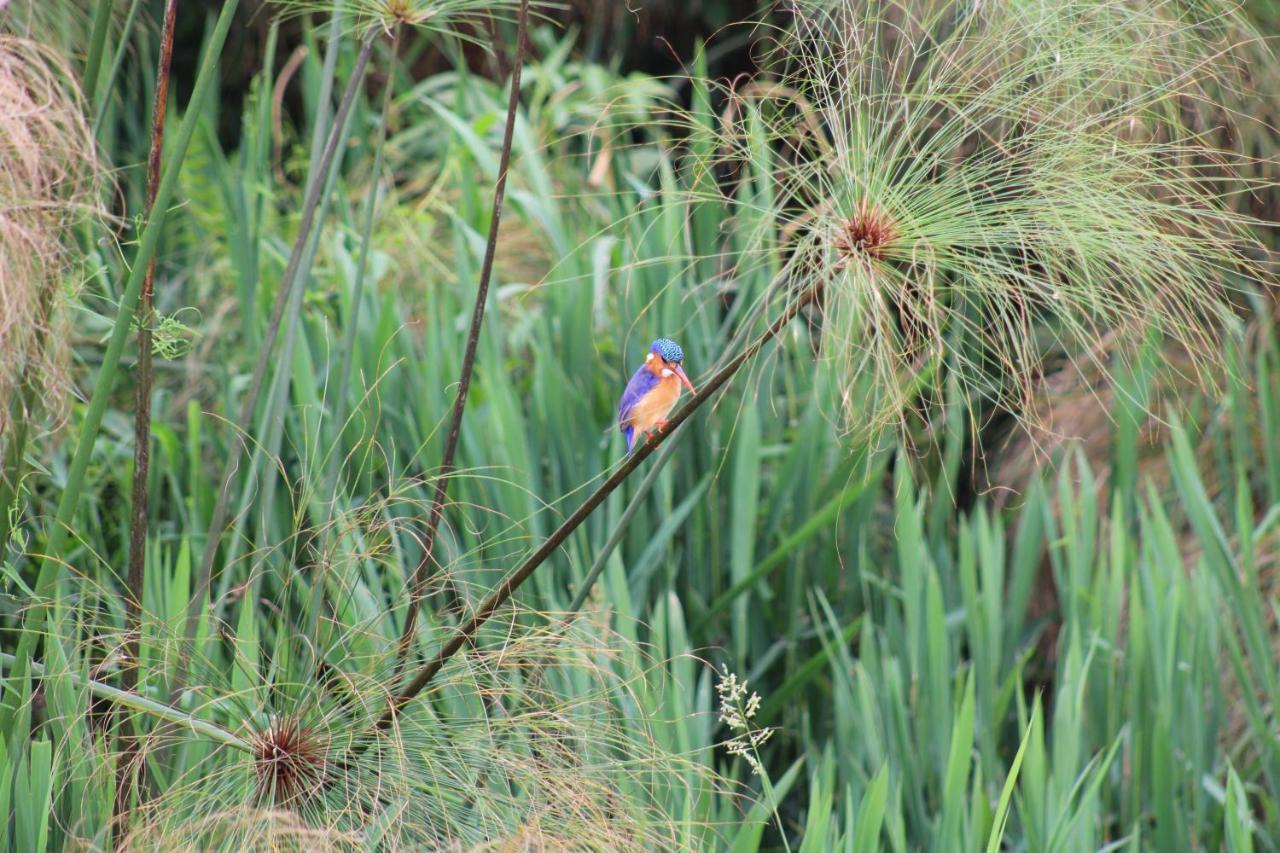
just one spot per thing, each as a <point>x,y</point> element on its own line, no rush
<point>989,529</point>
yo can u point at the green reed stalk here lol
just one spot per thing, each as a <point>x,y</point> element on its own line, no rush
<point>97,43</point>
<point>262,480</point>
<point>620,529</point>
<point>347,352</point>
<point>122,50</point>
<point>143,705</point>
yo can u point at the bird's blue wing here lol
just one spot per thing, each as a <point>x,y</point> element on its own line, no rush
<point>642,382</point>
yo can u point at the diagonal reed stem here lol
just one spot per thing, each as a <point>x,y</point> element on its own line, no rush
<point>418,581</point>
<point>620,529</point>
<point>521,573</point>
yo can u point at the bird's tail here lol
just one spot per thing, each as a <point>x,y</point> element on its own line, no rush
<point>630,433</point>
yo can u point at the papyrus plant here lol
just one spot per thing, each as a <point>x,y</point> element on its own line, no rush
<point>984,182</point>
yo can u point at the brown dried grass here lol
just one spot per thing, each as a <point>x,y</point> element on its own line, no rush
<point>269,829</point>
<point>48,180</point>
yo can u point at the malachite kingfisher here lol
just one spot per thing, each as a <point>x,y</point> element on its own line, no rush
<point>653,391</point>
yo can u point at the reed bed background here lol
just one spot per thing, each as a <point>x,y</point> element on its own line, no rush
<point>976,546</point>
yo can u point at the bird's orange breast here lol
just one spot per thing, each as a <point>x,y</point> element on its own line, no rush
<point>656,405</point>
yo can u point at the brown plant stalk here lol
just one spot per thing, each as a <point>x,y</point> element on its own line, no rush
<point>142,406</point>
<point>142,417</point>
<point>507,587</point>
<point>416,585</point>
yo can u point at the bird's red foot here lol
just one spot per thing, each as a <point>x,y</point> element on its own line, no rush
<point>648,438</point>
<point>662,425</point>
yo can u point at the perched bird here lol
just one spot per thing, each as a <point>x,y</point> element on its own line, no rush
<point>652,391</point>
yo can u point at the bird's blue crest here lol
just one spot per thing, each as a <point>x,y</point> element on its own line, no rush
<point>668,349</point>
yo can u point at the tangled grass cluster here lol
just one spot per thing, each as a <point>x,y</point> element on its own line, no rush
<point>462,19</point>
<point>48,172</point>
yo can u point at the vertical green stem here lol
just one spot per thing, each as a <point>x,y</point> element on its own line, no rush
<point>347,353</point>
<point>21,409</point>
<point>97,42</point>
<point>320,127</point>
<point>143,705</point>
<point>118,60</point>
<point>272,424</point>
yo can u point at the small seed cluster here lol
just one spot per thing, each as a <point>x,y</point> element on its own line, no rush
<point>737,708</point>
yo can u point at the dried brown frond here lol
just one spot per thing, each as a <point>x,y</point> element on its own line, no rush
<point>48,168</point>
<point>241,829</point>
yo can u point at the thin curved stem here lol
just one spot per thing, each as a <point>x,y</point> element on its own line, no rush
<point>97,44</point>
<point>417,583</point>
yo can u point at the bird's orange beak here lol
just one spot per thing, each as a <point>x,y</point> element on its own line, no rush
<point>685,379</point>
